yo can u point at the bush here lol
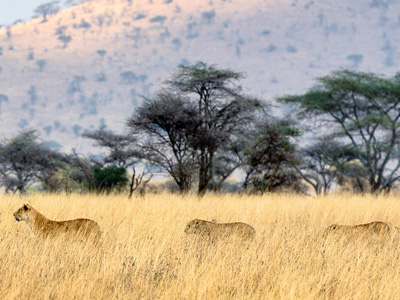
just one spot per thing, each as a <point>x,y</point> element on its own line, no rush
<point>83,24</point>
<point>109,178</point>
<point>101,52</point>
<point>65,39</point>
<point>100,77</point>
<point>41,64</point>
<point>129,77</point>
<point>158,19</point>
<point>208,16</point>
<point>3,98</point>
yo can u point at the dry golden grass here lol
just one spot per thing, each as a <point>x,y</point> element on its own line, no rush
<point>146,254</point>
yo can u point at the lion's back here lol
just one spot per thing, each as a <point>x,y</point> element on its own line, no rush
<point>373,228</point>
<point>218,230</point>
<point>379,227</point>
<point>84,227</point>
<point>236,229</point>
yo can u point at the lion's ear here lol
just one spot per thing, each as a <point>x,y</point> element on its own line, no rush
<point>25,207</point>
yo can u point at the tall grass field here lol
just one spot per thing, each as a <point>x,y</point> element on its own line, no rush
<point>145,253</point>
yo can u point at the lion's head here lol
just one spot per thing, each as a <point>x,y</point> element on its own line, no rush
<point>23,213</point>
<point>195,226</point>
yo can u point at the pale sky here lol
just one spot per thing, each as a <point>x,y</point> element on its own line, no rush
<point>12,10</point>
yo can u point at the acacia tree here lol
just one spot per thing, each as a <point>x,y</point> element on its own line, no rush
<point>319,164</point>
<point>122,149</point>
<point>166,124</point>
<point>362,111</point>
<point>326,162</point>
<point>221,110</point>
<point>269,156</point>
<point>24,160</point>
<point>47,9</point>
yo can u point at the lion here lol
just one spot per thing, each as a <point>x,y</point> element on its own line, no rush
<point>213,229</point>
<point>42,226</point>
<point>375,229</point>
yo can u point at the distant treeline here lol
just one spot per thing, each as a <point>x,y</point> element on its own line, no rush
<point>201,130</point>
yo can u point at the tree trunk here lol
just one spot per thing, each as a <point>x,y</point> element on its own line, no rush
<point>205,171</point>
<point>184,187</point>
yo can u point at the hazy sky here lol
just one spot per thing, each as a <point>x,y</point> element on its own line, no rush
<point>11,10</point>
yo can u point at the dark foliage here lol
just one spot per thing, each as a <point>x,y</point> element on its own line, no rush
<point>269,156</point>
<point>222,110</point>
<point>109,178</point>
<point>167,124</point>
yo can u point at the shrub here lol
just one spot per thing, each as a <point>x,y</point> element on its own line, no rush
<point>109,178</point>
<point>41,64</point>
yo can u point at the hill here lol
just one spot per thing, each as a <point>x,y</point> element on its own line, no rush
<point>88,65</point>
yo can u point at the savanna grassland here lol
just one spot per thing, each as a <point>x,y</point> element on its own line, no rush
<point>145,253</point>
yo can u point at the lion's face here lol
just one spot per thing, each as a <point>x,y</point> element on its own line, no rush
<point>22,213</point>
<point>194,226</point>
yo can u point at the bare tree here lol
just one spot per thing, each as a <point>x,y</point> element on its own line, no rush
<point>137,181</point>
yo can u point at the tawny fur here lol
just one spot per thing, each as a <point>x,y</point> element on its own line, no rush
<point>212,229</point>
<point>373,228</point>
<point>42,226</point>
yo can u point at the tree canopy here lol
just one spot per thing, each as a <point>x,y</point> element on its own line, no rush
<point>46,9</point>
<point>361,110</point>
<point>23,159</point>
<point>200,129</point>
<point>190,120</point>
<point>222,110</point>
<point>166,124</point>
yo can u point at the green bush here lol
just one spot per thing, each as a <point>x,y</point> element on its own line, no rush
<point>109,178</point>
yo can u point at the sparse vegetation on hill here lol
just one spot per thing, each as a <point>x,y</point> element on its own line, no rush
<point>269,41</point>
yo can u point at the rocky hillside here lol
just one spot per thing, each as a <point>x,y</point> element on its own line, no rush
<point>89,64</point>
